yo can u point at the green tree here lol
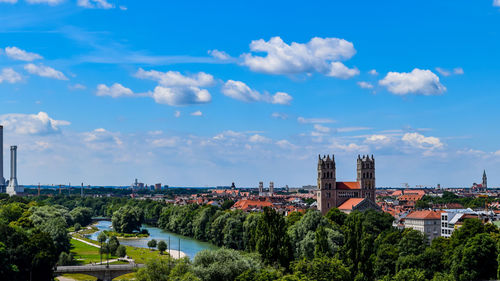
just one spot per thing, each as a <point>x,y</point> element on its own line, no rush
<point>56,227</point>
<point>476,260</point>
<point>113,245</point>
<point>162,246</point>
<point>81,215</point>
<point>292,218</point>
<point>410,274</point>
<point>336,216</point>
<point>321,247</point>
<point>152,244</point>
<point>223,264</point>
<point>65,259</point>
<point>273,243</point>
<point>127,219</point>
<point>121,251</point>
<point>154,270</point>
<point>321,269</point>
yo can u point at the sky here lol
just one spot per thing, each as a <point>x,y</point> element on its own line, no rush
<point>204,93</point>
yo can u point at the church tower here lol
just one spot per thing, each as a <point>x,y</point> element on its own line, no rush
<point>366,176</point>
<point>485,180</point>
<point>326,183</point>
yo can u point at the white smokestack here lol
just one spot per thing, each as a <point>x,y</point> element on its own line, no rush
<point>2,179</point>
<point>13,188</point>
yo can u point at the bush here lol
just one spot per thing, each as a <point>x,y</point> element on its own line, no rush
<point>121,251</point>
<point>77,227</point>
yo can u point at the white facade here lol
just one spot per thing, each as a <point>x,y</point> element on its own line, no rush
<point>430,227</point>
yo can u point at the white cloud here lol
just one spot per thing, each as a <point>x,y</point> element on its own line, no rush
<point>77,86</point>
<point>373,72</point>
<point>196,113</point>
<point>31,124</point>
<point>176,79</point>
<point>459,70</point>
<point>422,142</point>
<point>279,115</point>
<point>179,96</point>
<point>315,120</point>
<point>177,114</point>
<point>320,55</point>
<point>496,3</point>
<point>115,91</point>
<point>365,85</point>
<point>9,75</point>
<point>18,54</point>
<point>378,139</point>
<point>176,89</point>
<point>339,70</point>
<point>48,2</point>
<point>418,81</point>
<point>219,54</point>
<point>352,129</point>
<point>8,1</point>
<point>95,4</point>
<point>321,128</point>
<point>258,139</point>
<point>443,71</point>
<point>44,71</point>
<point>123,8</point>
<point>98,138</point>
<point>240,91</point>
<point>165,142</point>
<point>285,144</point>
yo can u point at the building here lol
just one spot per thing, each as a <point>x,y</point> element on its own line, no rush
<point>482,186</point>
<point>428,222</point>
<point>452,219</point>
<point>332,193</point>
<point>157,186</point>
<point>13,188</point>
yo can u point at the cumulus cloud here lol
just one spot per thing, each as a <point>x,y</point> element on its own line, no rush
<point>8,1</point>
<point>48,2</point>
<point>177,114</point>
<point>165,142</point>
<point>285,144</point>
<point>496,3</point>
<point>100,136</point>
<point>322,55</point>
<point>178,96</point>
<point>45,71</point>
<point>418,81</point>
<point>197,113</point>
<point>352,129</point>
<point>315,120</point>
<point>373,72</point>
<point>116,90</point>
<point>31,124</point>
<point>365,85</point>
<point>176,89</point>
<point>18,54</point>
<point>240,91</point>
<point>77,86</point>
<point>420,141</point>
<point>221,55</point>
<point>378,140</point>
<point>9,75</point>
<point>95,4</point>
<point>258,139</point>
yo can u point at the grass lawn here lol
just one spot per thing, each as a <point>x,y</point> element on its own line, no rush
<point>83,277</point>
<point>85,254</point>
<point>141,255</point>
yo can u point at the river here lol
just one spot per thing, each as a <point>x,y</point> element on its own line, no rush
<point>188,245</point>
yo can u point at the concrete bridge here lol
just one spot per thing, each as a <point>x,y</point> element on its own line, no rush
<point>101,272</point>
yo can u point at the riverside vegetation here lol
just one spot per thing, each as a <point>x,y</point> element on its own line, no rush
<point>255,246</point>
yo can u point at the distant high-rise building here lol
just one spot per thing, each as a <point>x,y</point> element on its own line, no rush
<point>485,180</point>
<point>2,179</point>
<point>271,188</point>
<point>261,187</point>
<point>157,186</point>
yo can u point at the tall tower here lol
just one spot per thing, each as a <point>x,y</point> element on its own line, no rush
<point>485,180</point>
<point>2,179</point>
<point>13,188</point>
<point>271,188</point>
<point>326,184</point>
<point>366,176</point>
<point>261,188</point>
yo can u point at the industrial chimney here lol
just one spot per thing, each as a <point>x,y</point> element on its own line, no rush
<point>2,179</point>
<point>13,188</point>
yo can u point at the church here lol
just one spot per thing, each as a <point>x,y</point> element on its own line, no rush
<point>346,196</point>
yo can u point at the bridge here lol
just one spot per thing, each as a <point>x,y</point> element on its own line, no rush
<point>101,272</point>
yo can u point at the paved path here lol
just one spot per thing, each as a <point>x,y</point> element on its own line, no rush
<point>175,254</point>
<point>86,242</point>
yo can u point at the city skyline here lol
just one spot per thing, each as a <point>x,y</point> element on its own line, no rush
<point>194,94</point>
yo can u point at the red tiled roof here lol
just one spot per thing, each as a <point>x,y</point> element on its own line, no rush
<point>249,204</point>
<point>410,197</point>
<point>425,215</point>
<point>350,203</point>
<point>348,185</point>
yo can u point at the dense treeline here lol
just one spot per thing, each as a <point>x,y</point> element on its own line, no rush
<point>450,197</point>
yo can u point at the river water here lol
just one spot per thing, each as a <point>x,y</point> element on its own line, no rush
<point>188,245</point>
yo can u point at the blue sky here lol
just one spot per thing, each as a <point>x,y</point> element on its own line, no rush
<point>206,93</point>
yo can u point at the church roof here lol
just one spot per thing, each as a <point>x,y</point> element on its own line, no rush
<point>348,185</point>
<point>351,203</point>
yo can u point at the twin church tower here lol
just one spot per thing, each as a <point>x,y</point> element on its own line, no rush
<point>345,195</point>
